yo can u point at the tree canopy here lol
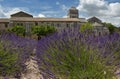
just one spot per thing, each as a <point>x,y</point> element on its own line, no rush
<point>19,30</point>
<point>42,30</point>
<point>111,27</point>
<point>86,26</point>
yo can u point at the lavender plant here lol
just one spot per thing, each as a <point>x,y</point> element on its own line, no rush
<point>14,52</point>
<point>70,54</point>
<point>109,46</point>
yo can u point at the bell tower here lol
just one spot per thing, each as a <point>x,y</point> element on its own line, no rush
<point>73,13</point>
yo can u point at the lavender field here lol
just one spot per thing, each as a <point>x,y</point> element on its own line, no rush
<point>68,54</point>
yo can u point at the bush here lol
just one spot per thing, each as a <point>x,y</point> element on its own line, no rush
<point>71,55</point>
<point>43,30</point>
<point>110,27</point>
<point>14,52</point>
<point>19,30</point>
<point>8,61</point>
<point>86,26</point>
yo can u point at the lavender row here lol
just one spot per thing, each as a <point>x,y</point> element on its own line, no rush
<point>70,54</point>
<point>18,47</point>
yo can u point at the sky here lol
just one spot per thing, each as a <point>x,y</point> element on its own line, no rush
<point>106,10</point>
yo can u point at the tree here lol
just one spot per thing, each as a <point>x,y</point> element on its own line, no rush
<point>19,30</point>
<point>43,30</point>
<point>110,27</point>
<point>119,29</point>
<point>86,26</point>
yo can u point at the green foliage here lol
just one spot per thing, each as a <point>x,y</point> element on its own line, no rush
<point>118,29</point>
<point>71,55</point>
<point>8,60</point>
<point>86,26</point>
<point>50,29</point>
<point>19,30</point>
<point>110,27</point>
<point>75,66</point>
<point>43,30</point>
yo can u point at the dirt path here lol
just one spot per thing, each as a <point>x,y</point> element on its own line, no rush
<point>32,70</point>
<point>118,76</point>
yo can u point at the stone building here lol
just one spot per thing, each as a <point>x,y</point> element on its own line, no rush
<point>73,13</point>
<point>27,20</point>
<point>100,29</point>
<point>98,26</point>
<point>94,19</point>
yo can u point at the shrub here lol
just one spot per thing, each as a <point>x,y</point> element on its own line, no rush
<point>73,55</point>
<point>86,26</point>
<point>43,30</point>
<point>19,30</point>
<point>8,61</point>
<point>14,53</point>
<point>110,27</point>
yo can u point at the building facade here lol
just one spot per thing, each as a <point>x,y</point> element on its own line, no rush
<point>98,26</point>
<point>27,20</point>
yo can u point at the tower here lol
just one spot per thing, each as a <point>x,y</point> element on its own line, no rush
<point>73,13</point>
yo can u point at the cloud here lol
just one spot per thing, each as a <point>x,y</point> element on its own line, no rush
<point>26,1</point>
<point>50,12</point>
<point>113,20</point>
<point>65,16</point>
<point>12,11</point>
<point>46,7</point>
<point>41,15</point>
<point>57,3</point>
<point>64,7</point>
<point>5,12</point>
<point>109,12</point>
<point>1,11</point>
<point>1,0</point>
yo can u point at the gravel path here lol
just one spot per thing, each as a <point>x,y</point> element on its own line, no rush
<point>32,70</point>
<point>118,76</point>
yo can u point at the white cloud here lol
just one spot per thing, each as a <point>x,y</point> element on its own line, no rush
<point>7,11</point>
<point>49,12</point>
<point>12,11</point>
<point>65,16</point>
<point>46,7</point>
<point>1,0</point>
<point>41,15</point>
<point>109,12</point>
<point>113,20</point>
<point>1,11</point>
<point>26,1</point>
<point>64,7</point>
<point>57,3</point>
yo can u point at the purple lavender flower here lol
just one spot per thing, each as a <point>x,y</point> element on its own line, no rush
<point>69,50</point>
<point>19,46</point>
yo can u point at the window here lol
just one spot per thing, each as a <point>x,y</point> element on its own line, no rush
<point>67,25</point>
<point>58,25</point>
<point>36,23</point>
<point>6,25</point>
<point>28,27</point>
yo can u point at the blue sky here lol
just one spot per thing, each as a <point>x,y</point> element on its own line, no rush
<point>106,10</point>
<point>50,8</point>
